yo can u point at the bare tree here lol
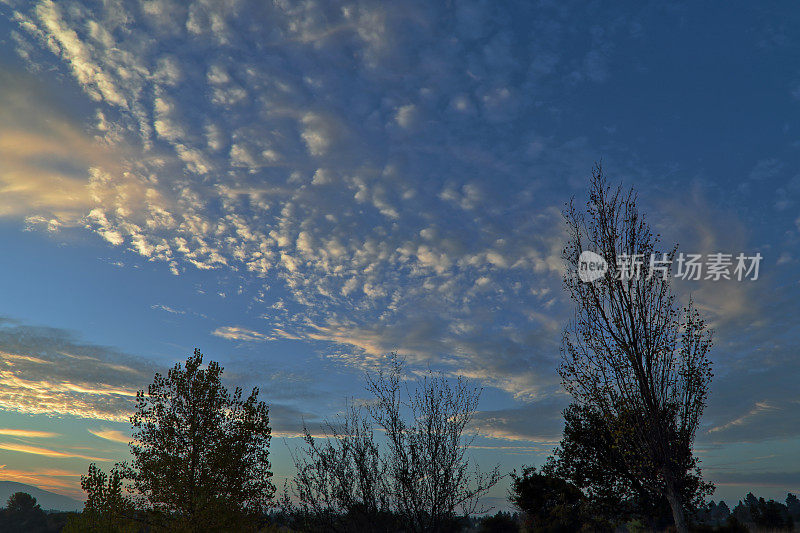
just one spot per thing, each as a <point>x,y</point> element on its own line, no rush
<point>341,481</point>
<point>631,353</point>
<point>419,480</point>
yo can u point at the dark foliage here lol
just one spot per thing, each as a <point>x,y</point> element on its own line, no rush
<point>500,522</point>
<point>631,355</point>
<point>22,514</point>
<point>200,460</point>
<point>549,503</point>
<point>589,456</point>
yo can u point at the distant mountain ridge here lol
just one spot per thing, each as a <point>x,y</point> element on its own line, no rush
<point>48,501</point>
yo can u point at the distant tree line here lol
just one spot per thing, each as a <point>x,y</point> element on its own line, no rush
<point>634,362</point>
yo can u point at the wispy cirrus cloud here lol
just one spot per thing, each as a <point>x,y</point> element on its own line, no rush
<point>56,479</point>
<point>238,333</point>
<point>113,435</point>
<point>46,452</point>
<point>29,433</point>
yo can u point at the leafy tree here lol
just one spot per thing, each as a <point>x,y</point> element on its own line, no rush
<point>22,514</point>
<point>108,507</point>
<point>200,453</point>
<point>422,479</point>
<point>630,353</point>
<point>793,506</point>
<point>589,458</point>
<point>713,514</point>
<point>741,513</point>
<point>550,503</point>
<point>771,515</point>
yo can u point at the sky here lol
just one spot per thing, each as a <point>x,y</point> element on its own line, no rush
<point>300,188</point>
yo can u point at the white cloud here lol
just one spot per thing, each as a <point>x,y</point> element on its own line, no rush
<point>47,371</point>
<point>236,333</point>
<point>375,202</point>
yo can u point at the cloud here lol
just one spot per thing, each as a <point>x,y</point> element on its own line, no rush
<point>167,309</point>
<point>759,358</point>
<point>45,156</point>
<point>758,409</point>
<point>36,450</point>
<point>758,479</point>
<point>287,421</point>
<point>420,215</point>
<point>110,434</point>
<point>59,480</point>
<point>48,371</point>
<point>538,422</point>
<point>316,182</point>
<point>237,333</point>
<point>29,433</point>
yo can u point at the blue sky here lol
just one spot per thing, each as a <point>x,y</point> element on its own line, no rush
<point>299,188</point>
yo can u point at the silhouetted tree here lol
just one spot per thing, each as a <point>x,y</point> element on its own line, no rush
<point>200,453</point>
<point>630,353</point>
<point>23,515</point>
<point>771,515</point>
<point>550,504</point>
<point>500,522</point>
<point>342,481</point>
<point>422,478</point>
<point>713,514</point>
<point>793,506</point>
<point>741,512</point>
<point>589,458</point>
<point>109,508</point>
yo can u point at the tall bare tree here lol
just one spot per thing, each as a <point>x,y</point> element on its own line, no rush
<point>631,353</point>
<point>419,479</point>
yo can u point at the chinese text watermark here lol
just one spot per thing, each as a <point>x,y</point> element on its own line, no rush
<point>695,267</point>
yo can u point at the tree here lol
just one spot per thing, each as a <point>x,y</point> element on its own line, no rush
<point>22,514</point>
<point>500,522</point>
<point>108,507</point>
<point>793,506</point>
<point>550,504</point>
<point>200,453</point>
<point>630,353</point>
<point>421,477</point>
<point>341,481</point>
<point>771,515</point>
<point>588,458</point>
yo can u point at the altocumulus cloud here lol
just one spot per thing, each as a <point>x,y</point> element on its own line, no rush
<point>376,171</point>
<point>372,199</point>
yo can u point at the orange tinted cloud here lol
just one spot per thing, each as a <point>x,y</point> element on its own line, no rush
<point>110,434</point>
<point>57,480</point>
<point>28,433</point>
<point>36,450</point>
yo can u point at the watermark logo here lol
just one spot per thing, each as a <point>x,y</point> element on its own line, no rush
<point>693,267</point>
<point>591,266</point>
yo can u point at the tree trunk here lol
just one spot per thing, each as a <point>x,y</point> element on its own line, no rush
<point>678,516</point>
